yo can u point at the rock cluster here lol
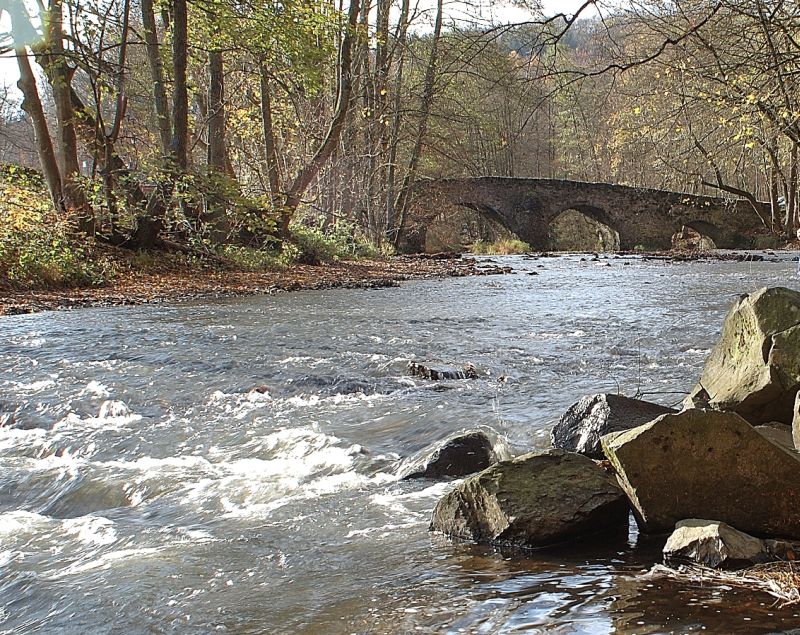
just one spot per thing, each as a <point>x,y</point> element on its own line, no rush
<point>725,465</point>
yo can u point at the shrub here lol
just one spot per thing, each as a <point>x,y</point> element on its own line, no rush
<point>252,259</point>
<point>503,247</point>
<point>38,247</point>
<point>314,246</point>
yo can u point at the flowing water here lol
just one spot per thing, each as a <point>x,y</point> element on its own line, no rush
<point>145,487</point>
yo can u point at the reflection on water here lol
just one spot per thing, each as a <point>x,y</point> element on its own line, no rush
<point>146,487</point>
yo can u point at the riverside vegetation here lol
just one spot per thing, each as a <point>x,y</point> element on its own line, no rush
<point>255,136</point>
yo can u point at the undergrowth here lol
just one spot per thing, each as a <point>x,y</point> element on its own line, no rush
<point>504,247</point>
<point>42,249</point>
<point>39,248</point>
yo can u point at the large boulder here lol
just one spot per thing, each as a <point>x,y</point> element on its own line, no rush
<point>534,501</point>
<point>705,463</point>
<point>580,428</point>
<point>457,456</point>
<point>754,369</point>
<point>713,544</point>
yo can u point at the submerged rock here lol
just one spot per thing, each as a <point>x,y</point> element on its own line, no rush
<point>534,501</point>
<point>705,463</point>
<point>112,409</point>
<point>713,544</point>
<point>426,372</point>
<point>754,369</point>
<point>457,456</point>
<point>580,428</point>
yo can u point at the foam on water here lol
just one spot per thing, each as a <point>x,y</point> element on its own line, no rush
<point>95,389</point>
<point>91,530</point>
<point>104,420</point>
<point>21,526</point>
<point>106,561</point>
<point>35,386</point>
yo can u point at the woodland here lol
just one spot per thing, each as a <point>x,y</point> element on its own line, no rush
<point>270,132</point>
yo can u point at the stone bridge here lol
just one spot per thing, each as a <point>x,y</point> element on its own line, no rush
<point>526,207</point>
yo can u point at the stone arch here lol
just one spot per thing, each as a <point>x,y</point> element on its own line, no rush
<point>461,223</point>
<point>702,234</point>
<point>582,228</point>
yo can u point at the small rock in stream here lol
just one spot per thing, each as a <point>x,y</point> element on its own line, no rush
<point>438,374</point>
<point>718,545</point>
<point>586,421</point>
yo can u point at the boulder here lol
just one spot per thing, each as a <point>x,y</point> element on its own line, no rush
<point>718,545</point>
<point>534,501</point>
<point>457,456</point>
<point>705,463</point>
<point>713,544</point>
<point>426,372</point>
<point>754,369</point>
<point>580,428</point>
<point>689,239</point>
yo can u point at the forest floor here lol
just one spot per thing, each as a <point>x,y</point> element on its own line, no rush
<point>173,284</point>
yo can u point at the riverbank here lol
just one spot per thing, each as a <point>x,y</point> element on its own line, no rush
<point>173,285</point>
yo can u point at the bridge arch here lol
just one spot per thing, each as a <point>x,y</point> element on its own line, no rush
<point>582,228</point>
<point>460,224</point>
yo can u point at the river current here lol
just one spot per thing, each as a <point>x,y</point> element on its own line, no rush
<point>146,487</point>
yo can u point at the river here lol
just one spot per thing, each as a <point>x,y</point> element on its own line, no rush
<point>146,488</point>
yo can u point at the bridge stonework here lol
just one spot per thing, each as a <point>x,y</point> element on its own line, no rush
<point>526,207</point>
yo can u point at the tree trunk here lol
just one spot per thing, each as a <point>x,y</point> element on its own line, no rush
<point>270,147</point>
<point>344,91</point>
<point>394,138</point>
<point>32,104</point>
<point>53,60</point>
<point>791,198</point>
<point>216,112</point>
<point>160,105</point>
<point>775,212</point>
<point>180,96</point>
<point>403,197</point>
<point>216,154</point>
